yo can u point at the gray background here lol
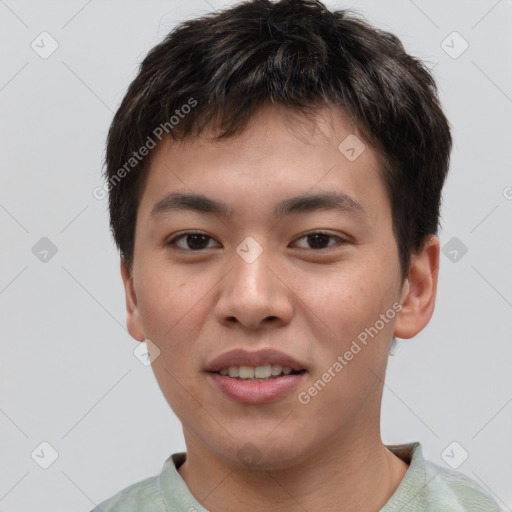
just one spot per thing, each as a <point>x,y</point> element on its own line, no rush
<point>68,375</point>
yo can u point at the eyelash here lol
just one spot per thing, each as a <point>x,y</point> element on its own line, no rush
<point>172,241</point>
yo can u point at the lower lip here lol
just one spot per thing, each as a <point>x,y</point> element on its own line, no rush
<point>253,392</point>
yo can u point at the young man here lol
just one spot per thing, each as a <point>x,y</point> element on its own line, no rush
<point>275,174</point>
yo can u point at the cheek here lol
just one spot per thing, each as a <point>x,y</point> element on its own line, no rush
<point>168,300</point>
<point>350,299</point>
<point>173,315</point>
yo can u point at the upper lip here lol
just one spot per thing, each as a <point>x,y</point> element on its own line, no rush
<point>240,357</point>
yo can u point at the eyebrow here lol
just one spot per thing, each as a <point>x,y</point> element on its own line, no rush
<point>299,204</point>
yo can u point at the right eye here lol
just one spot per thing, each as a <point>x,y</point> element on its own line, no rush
<point>194,241</point>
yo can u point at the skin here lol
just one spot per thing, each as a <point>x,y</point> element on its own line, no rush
<point>308,302</point>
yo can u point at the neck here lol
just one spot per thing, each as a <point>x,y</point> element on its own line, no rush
<point>347,475</point>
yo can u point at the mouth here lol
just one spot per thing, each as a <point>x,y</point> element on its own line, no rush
<point>261,373</point>
<point>255,377</point>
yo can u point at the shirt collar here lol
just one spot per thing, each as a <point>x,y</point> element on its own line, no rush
<point>177,496</point>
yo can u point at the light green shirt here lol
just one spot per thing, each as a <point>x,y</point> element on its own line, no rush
<point>426,487</point>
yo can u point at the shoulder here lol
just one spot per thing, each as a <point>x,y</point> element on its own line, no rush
<point>428,487</point>
<point>144,495</point>
<point>457,491</point>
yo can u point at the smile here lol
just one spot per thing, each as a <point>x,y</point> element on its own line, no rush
<point>257,373</point>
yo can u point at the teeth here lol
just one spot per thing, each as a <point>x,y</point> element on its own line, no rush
<point>277,369</point>
<point>233,371</point>
<point>246,372</point>
<point>256,372</point>
<point>263,372</point>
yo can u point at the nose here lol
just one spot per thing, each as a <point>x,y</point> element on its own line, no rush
<point>255,294</point>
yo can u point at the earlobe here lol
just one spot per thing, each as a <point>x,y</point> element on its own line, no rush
<point>419,291</point>
<point>133,319</point>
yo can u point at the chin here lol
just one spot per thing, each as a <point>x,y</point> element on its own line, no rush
<point>261,454</point>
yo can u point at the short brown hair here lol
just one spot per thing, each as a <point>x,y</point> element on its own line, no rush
<point>224,66</point>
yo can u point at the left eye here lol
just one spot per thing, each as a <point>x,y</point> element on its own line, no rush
<point>199,241</point>
<point>318,239</point>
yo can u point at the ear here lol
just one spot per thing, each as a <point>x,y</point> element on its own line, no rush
<point>419,291</point>
<point>133,320</point>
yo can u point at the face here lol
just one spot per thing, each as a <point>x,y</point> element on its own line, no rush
<point>298,287</point>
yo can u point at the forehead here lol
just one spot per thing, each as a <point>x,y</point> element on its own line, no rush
<point>280,153</point>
